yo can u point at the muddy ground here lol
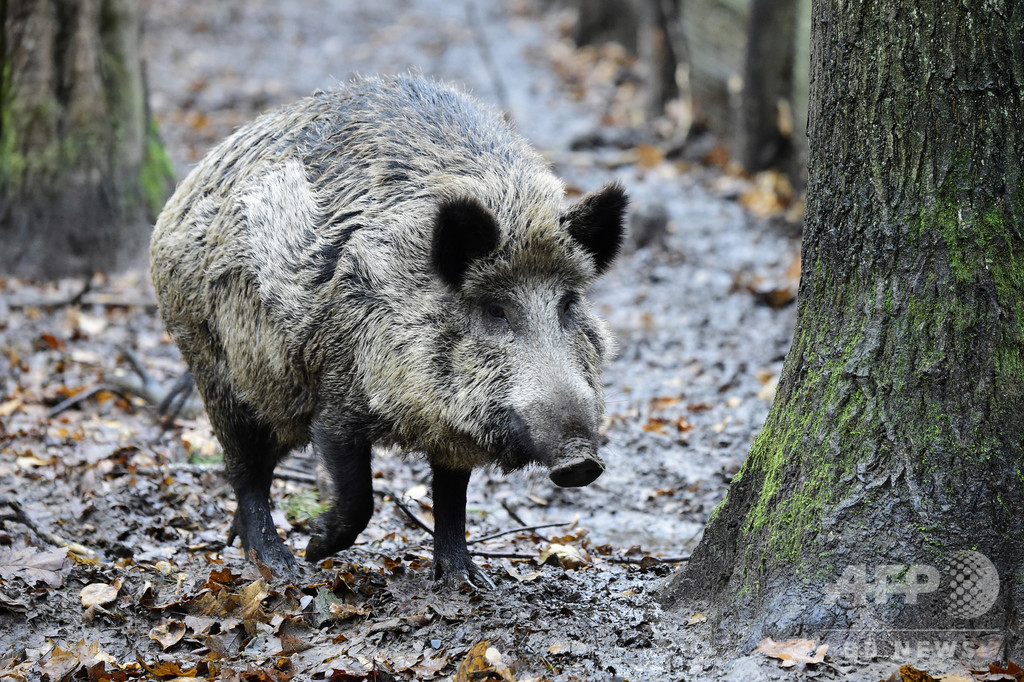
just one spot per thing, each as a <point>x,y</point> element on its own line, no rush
<point>701,306</point>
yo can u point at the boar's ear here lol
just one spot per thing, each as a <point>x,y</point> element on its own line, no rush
<point>595,221</point>
<point>463,231</point>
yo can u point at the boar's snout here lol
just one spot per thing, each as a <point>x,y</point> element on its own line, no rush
<point>577,466</point>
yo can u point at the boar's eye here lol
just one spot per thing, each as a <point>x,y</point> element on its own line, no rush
<point>496,312</point>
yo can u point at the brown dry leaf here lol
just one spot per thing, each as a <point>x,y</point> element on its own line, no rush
<point>793,651</point>
<point>649,156</point>
<point>568,557</point>
<point>660,403</point>
<point>341,610</point>
<point>656,424</point>
<point>523,578</point>
<point>168,634</point>
<point>697,619</point>
<point>100,594</point>
<point>200,443</point>
<point>683,425</point>
<point>770,194</point>
<point>60,665</point>
<point>483,662</point>
<point>995,672</point>
<point>251,600</point>
<point>429,666</point>
<point>558,648</point>
<point>909,673</point>
<point>167,669</point>
<point>9,407</point>
<point>768,391</point>
<point>33,566</point>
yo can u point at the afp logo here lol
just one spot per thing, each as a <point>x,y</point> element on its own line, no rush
<point>971,584</point>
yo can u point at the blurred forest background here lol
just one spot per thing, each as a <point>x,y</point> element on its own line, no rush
<point>83,171</point>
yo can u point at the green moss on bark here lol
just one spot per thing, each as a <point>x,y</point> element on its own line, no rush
<point>156,177</point>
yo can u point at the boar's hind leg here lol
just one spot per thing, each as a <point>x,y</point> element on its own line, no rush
<point>251,451</point>
<point>348,461</point>
<point>452,561</point>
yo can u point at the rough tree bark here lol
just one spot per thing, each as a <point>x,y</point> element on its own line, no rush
<point>82,171</point>
<point>897,435</point>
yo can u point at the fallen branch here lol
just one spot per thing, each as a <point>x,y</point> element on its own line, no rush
<point>84,395</point>
<point>408,512</point>
<point>522,529</point>
<point>639,560</point>
<point>198,468</point>
<point>52,538</point>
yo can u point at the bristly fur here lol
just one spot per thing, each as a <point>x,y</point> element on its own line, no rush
<point>297,269</point>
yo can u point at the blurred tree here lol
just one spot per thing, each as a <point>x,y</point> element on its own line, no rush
<point>897,435</point>
<point>82,172</point>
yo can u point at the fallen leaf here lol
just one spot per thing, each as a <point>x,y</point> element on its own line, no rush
<point>768,391</point>
<point>483,662</point>
<point>1011,671</point>
<point>33,566</point>
<point>523,578</point>
<point>168,634</point>
<point>429,666</point>
<point>793,651</point>
<point>566,556</point>
<point>697,619</point>
<point>251,600</point>
<point>9,407</point>
<point>341,611</point>
<point>60,665</point>
<point>100,594</point>
<point>558,648</point>
<point>167,669</point>
<point>656,404</point>
<point>649,156</point>
<point>770,194</point>
<point>656,424</point>
<point>909,673</point>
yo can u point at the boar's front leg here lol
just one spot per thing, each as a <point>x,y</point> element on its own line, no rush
<point>348,461</point>
<point>251,451</point>
<point>452,562</point>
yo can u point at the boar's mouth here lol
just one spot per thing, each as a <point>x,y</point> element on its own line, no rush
<point>578,465</point>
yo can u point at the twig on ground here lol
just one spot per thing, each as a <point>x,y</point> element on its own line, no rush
<point>522,529</point>
<point>503,555</point>
<point>82,396</point>
<point>632,560</point>
<point>52,538</point>
<point>408,512</point>
<point>285,474</point>
<point>512,512</point>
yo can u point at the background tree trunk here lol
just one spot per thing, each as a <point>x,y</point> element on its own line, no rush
<point>897,435</point>
<point>81,169</point>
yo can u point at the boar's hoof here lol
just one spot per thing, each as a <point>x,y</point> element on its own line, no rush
<point>460,575</point>
<point>266,549</point>
<point>576,472</point>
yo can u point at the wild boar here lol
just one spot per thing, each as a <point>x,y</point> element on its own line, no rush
<point>387,262</point>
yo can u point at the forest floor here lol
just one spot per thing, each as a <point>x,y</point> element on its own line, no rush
<point>113,562</point>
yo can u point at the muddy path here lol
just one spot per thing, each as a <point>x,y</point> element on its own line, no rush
<point>149,589</point>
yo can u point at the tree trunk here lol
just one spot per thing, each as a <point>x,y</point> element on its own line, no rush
<point>81,169</point>
<point>888,479</point>
<point>764,130</point>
